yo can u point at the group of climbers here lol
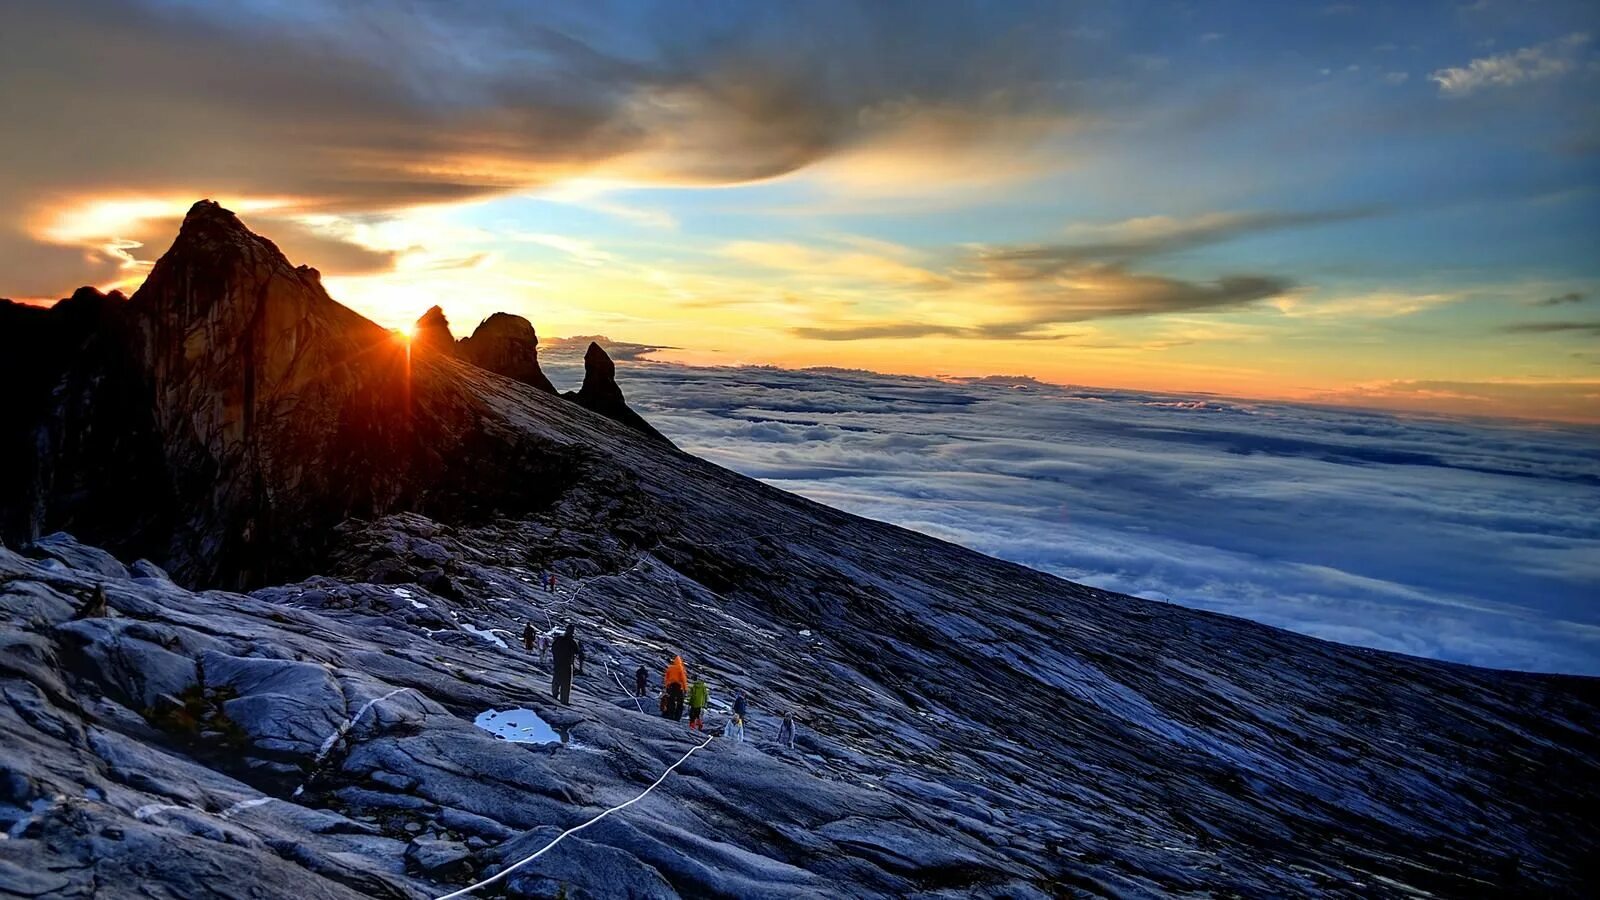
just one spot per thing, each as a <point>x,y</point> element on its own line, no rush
<point>677,693</point>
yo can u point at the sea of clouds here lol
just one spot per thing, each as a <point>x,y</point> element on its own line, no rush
<point>1469,541</point>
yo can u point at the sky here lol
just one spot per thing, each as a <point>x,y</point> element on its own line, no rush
<point>1388,204</point>
<point>1469,541</point>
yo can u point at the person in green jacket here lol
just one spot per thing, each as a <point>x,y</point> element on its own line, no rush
<point>699,696</point>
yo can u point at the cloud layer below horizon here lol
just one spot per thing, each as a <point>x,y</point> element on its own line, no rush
<point>1475,543</point>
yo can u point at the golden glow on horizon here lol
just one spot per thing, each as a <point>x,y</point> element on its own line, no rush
<point>741,301</point>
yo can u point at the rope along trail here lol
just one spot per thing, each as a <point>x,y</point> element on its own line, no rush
<point>636,701</point>
<point>574,830</point>
<point>563,603</point>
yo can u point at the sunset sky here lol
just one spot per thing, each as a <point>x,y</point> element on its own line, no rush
<point>1392,204</point>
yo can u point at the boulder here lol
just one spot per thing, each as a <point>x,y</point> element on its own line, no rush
<point>282,706</point>
<point>65,549</point>
<point>436,857</point>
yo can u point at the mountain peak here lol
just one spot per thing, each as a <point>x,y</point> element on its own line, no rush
<point>433,331</point>
<point>599,373</point>
<point>507,345</point>
<point>209,225</point>
<point>600,393</point>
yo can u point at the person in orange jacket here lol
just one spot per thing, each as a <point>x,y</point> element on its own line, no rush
<point>675,684</point>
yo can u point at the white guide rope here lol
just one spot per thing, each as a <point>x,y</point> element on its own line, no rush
<point>574,830</point>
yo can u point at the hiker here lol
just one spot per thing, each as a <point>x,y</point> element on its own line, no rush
<point>786,732</point>
<point>544,646</point>
<point>529,637</point>
<point>675,684</point>
<point>564,650</point>
<point>699,696</point>
<point>741,708</point>
<point>550,583</point>
<point>640,678</point>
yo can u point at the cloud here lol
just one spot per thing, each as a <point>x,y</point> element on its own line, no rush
<point>1140,238</point>
<point>575,345</point>
<point>583,251</point>
<point>878,267</point>
<point>1374,305</point>
<point>1100,292</point>
<point>1561,400</point>
<point>1441,537</point>
<point>1560,299</point>
<point>884,330</point>
<point>1109,292</point>
<point>354,110</point>
<point>114,242</point>
<point>1501,70</point>
<point>1038,287</point>
<point>1552,327</point>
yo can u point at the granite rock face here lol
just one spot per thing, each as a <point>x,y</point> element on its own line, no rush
<point>225,419</point>
<point>507,345</point>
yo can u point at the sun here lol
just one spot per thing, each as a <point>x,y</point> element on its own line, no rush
<point>405,334</point>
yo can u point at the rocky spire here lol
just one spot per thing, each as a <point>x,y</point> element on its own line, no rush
<point>432,332</point>
<point>601,394</point>
<point>599,375</point>
<point>507,345</point>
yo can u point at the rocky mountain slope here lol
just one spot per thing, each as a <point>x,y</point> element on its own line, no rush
<point>969,727</point>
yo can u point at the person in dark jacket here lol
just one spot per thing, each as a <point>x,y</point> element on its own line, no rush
<point>640,681</point>
<point>528,637</point>
<point>741,708</point>
<point>565,649</point>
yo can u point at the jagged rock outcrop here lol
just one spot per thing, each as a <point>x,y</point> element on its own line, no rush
<point>601,394</point>
<point>230,414</point>
<point>506,345</point>
<point>77,430</point>
<point>432,332</point>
